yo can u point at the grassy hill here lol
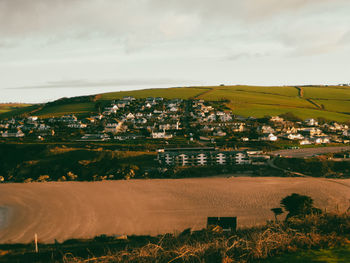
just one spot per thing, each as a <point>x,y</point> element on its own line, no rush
<point>13,108</point>
<point>329,102</point>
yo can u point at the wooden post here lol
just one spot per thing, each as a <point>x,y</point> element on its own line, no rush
<point>36,242</point>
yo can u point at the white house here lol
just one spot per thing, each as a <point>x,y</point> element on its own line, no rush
<point>32,118</point>
<point>265,129</point>
<point>320,140</point>
<point>110,109</point>
<point>311,122</point>
<point>174,109</point>
<point>271,137</point>
<point>305,141</point>
<point>14,134</point>
<point>130,116</point>
<point>211,117</point>
<point>297,136</point>
<point>238,127</point>
<point>112,127</point>
<point>77,125</point>
<point>225,117</point>
<point>161,135</point>
<point>43,127</point>
<point>69,118</point>
<point>276,119</point>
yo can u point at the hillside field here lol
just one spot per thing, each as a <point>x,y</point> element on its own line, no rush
<point>329,102</point>
<point>14,108</point>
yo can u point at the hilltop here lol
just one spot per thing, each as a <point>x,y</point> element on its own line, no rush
<point>328,102</point>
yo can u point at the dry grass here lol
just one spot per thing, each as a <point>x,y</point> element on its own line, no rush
<point>312,232</point>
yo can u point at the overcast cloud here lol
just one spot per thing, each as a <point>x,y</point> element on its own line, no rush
<point>165,42</point>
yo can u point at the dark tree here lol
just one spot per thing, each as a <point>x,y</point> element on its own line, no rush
<point>298,205</point>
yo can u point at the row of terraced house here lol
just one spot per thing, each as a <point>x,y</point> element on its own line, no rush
<point>207,156</point>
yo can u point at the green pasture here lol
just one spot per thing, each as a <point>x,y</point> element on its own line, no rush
<point>274,90</point>
<point>257,101</point>
<point>170,93</point>
<point>324,92</point>
<point>335,105</point>
<point>60,110</point>
<point>267,101</point>
<point>260,110</point>
<point>5,107</point>
<point>246,97</point>
<point>10,111</point>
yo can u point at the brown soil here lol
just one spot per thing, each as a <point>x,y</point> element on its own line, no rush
<point>86,209</point>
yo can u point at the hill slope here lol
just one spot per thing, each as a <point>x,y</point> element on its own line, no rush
<point>329,102</point>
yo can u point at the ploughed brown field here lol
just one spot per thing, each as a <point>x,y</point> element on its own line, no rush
<point>86,209</point>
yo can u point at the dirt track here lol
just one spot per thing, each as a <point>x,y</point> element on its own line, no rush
<point>81,209</point>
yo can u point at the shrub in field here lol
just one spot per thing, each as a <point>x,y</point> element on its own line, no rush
<point>298,205</point>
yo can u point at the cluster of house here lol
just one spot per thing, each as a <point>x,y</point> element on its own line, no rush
<point>159,118</point>
<point>209,156</point>
<point>125,118</point>
<point>306,132</point>
<point>18,128</point>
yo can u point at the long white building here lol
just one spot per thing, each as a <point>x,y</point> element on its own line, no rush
<point>201,157</point>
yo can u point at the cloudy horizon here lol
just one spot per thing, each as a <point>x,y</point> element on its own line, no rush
<point>62,48</point>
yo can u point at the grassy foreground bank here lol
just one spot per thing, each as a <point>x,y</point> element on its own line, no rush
<point>295,240</point>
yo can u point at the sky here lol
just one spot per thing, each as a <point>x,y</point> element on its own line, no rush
<point>61,48</point>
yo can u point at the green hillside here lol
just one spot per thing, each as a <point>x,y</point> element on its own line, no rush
<point>10,110</point>
<point>329,102</point>
<point>67,108</point>
<point>170,93</point>
<point>6,107</point>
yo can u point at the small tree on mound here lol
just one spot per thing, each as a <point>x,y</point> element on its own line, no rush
<point>299,205</point>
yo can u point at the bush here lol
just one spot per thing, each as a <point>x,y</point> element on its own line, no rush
<point>299,205</point>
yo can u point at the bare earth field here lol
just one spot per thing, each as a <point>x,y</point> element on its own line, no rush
<point>86,209</point>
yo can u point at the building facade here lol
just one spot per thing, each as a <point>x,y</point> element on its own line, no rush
<point>201,157</point>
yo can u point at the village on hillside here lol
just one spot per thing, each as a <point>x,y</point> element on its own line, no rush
<point>199,121</point>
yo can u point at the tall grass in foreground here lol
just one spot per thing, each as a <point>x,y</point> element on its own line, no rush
<point>246,245</point>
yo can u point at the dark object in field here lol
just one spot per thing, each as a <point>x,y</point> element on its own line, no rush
<point>226,223</point>
<point>299,205</point>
